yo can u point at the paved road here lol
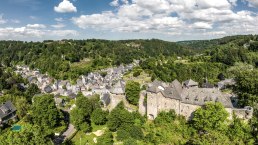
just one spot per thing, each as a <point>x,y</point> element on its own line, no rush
<point>69,132</point>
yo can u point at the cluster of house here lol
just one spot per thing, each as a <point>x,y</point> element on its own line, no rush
<point>186,97</point>
<point>104,84</point>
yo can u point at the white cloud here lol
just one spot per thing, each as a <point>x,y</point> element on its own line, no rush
<point>58,26</point>
<point>220,4</point>
<point>2,20</point>
<point>36,26</point>
<point>114,3</point>
<point>202,25</point>
<point>27,33</point>
<point>233,2</point>
<point>166,18</point>
<point>59,19</point>
<point>172,17</point>
<point>65,7</point>
<point>252,3</point>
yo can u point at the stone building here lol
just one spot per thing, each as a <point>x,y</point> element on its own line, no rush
<point>7,112</point>
<point>186,98</point>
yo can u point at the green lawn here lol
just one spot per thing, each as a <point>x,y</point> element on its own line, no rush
<point>143,78</point>
<point>82,64</point>
<point>83,138</point>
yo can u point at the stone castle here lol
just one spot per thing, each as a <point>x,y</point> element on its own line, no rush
<point>185,98</point>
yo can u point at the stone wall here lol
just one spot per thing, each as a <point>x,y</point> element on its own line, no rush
<point>157,103</point>
<point>142,105</point>
<point>187,110</point>
<point>245,113</point>
<point>152,105</point>
<point>167,104</point>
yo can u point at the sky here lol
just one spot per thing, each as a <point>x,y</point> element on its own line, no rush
<point>171,20</point>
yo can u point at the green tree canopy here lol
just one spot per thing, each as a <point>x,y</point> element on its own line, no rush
<point>211,116</point>
<point>99,117</point>
<point>119,116</point>
<point>44,112</point>
<point>132,90</point>
<point>105,139</point>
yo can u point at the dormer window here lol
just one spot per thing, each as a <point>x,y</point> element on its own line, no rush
<point>196,98</point>
<point>187,97</point>
<point>206,99</point>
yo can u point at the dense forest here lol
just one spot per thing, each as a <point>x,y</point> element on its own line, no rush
<point>203,60</point>
<point>60,58</point>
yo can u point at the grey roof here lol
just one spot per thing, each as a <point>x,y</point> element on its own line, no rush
<point>156,86</point>
<point>190,95</point>
<point>79,82</point>
<point>31,78</point>
<point>71,95</point>
<point>172,91</point>
<point>190,83</point>
<point>105,98</point>
<point>227,82</point>
<point>199,96</point>
<point>48,89</point>
<point>177,85</point>
<point>118,88</point>
<point>207,85</point>
<point>6,109</point>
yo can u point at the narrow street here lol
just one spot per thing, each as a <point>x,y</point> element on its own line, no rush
<point>68,133</point>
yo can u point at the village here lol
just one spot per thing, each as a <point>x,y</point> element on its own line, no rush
<point>109,85</point>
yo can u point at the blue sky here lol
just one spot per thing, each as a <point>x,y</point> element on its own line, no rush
<point>172,20</point>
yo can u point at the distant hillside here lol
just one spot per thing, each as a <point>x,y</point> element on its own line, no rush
<point>206,44</point>
<point>57,57</point>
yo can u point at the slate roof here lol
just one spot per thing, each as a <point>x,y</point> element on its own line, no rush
<point>207,85</point>
<point>106,99</point>
<point>190,95</point>
<point>225,82</point>
<point>156,86</point>
<point>172,91</point>
<point>6,109</point>
<point>32,78</point>
<point>199,96</point>
<point>71,95</point>
<point>190,83</point>
<point>118,88</point>
<point>48,89</point>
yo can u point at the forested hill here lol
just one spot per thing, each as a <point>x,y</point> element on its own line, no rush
<point>240,40</point>
<point>71,58</point>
